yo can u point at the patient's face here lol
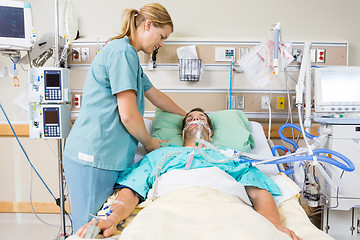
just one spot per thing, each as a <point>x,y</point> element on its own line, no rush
<point>196,116</point>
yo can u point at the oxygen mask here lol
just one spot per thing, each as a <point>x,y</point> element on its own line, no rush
<point>203,130</point>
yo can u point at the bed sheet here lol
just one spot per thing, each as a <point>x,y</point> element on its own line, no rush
<point>262,149</point>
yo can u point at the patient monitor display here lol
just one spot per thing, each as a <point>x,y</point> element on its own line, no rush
<point>16,29</point>
<point>337,89</point>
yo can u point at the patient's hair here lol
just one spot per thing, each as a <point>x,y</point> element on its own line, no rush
<point>197,110</point>
<point>133,18</point>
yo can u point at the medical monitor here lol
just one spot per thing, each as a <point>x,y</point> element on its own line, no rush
<point>16,29</point>
<point>337,89</point>
<point>49,85</point>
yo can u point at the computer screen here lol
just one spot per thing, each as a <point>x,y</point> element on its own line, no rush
<point>16,29</point>
<point>12,22</point>
<point>337,89</point>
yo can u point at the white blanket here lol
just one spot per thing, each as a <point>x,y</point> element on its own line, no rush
<point>205,213</point>
<point>217,179</point>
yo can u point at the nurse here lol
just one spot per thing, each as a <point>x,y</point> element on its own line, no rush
<point>105,135</point>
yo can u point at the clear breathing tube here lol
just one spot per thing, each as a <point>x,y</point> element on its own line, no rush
<point>200,139</point>
<point>158,169</point>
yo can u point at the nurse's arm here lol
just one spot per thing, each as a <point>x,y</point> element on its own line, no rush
<point>265,205</point>
<point>162,101</point>
<point>123,206</point>
<point>133,120</point>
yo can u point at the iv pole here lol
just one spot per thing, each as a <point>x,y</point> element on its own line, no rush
<point>61,176</point>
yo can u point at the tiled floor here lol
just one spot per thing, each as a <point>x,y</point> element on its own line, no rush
<point>16,226</point>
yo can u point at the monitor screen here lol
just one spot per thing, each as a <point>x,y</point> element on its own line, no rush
<point>16,29</point>
<point>337,89</point>
<point>51,116</point>
<point>12,22</point>
<point>52,79</point>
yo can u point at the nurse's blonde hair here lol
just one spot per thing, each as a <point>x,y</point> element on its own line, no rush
<point>133,18</point>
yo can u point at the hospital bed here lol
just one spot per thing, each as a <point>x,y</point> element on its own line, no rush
<point>199,211</point>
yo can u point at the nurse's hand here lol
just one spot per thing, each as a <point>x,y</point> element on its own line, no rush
<point>153,144</point>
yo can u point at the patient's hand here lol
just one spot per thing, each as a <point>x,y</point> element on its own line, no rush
<point>288,232</point>
<point>106,226</point>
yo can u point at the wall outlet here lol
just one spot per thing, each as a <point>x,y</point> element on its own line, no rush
<point>280,103</point>
<point>77,101</point>
<point>76,55</point>
<point>240,102</point>
<point>265,101</point>
<point>243,51</point>
<point>320,55</point>
<point>85,54</point>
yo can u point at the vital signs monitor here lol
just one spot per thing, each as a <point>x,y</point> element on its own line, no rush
<point>337,89</point>
<point>16,28</point>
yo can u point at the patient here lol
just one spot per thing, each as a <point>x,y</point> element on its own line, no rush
<point>136,181</point>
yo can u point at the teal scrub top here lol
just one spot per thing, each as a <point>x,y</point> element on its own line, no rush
<point>140,176</point>
<point>98,137</point>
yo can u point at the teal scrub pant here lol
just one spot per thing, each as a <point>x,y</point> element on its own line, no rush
<point>88,188</point>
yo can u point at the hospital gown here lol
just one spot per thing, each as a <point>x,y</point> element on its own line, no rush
<point>140,176</point>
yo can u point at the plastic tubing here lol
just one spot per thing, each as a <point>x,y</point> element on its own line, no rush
<point>230,87</point>
<point>286,125</point>
<point>273,149</point>
<point>348,167</point>
<point>158,169</point>
<point>208,158</point>
<point>288,171</point>
<point>276,42</point>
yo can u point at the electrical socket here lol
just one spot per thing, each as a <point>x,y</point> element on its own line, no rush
<point>76,55</point>
<point>265,100</point>
<point>280,103</point>
<point>237,102</point>
<point>243,51</point>
<point>85,54</point>
<point>77,101</point>
<point>240,102</point>
<point>320,55</point>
